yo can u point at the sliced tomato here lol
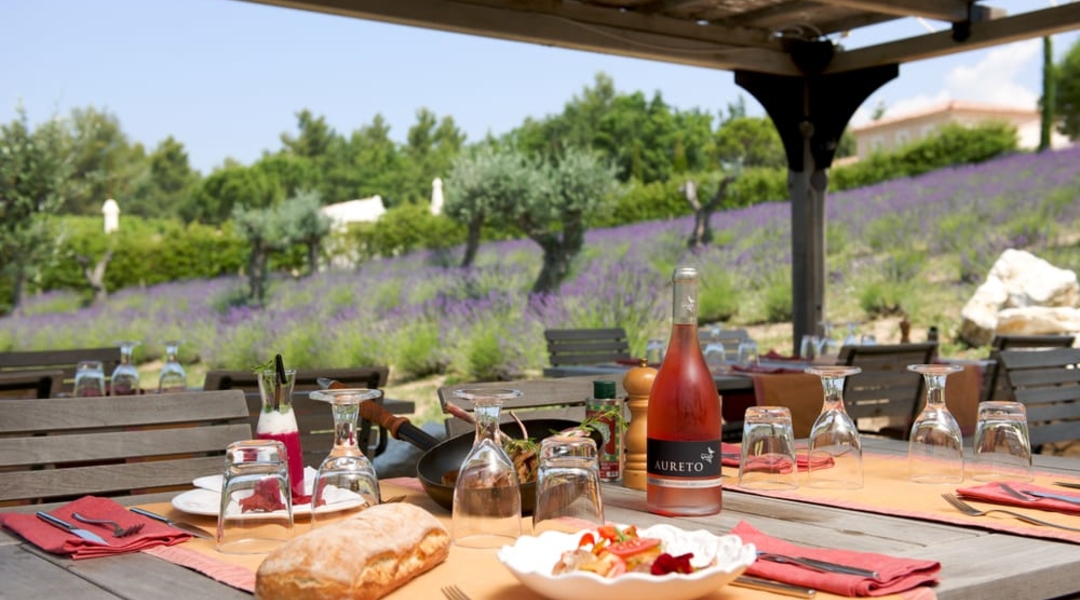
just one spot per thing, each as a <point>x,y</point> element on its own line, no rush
<point>608,532</point>
<point>632,546</point>
<point>586,540</point>
<point>630,532</point>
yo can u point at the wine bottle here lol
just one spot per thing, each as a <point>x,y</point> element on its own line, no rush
<point>683,440</point>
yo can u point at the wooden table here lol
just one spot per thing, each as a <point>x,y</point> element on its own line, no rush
<point>976,564</point>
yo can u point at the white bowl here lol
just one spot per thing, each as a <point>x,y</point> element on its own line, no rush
<point>531,559</point>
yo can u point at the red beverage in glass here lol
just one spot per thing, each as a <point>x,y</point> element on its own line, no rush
<point>291,439</point>
<point>683,439</point>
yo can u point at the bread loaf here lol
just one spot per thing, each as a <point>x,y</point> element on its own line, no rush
<point>361,558</point>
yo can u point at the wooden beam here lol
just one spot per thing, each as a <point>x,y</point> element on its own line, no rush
<point>953,11</point>
<point>636,38</point>
<point>1047,21</point>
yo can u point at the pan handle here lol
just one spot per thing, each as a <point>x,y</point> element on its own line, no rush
<point>399,427</point>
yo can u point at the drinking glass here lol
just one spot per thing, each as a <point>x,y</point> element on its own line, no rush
<point>767,461</point>
<point>808,347</point>
<point>125,377</point>
<point>89,379</point>
<point>172,378</point>
<point>852,338</point>
<point>714,349</point>
<point>1002,443</point>
<point>346,480</point>
<point>748,353</point>
<point>487,494</point>
<point>277,421</point>
<point>654,351</point>
<point>935,446</point>
<point>835,447</point>
<point>567,485</point>
<point>256,513</point>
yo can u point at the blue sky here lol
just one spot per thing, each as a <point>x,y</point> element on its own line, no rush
<point>226,77</point>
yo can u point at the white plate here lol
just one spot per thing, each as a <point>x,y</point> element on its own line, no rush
<point>205,499</point>
<point>531,560</point>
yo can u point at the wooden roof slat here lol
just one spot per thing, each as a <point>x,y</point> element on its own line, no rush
<point>953,11</point>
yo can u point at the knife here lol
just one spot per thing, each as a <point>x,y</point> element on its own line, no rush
<point>1068,484</point>
<point>182,526</point>
<point>62,524</point>
<point>778,587</point>
<point>1062,497</point>
<point>818,565</point>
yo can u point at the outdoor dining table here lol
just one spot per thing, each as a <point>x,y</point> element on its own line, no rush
<point>991,558</point>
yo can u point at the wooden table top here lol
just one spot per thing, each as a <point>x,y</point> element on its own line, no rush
<point>976,564</point>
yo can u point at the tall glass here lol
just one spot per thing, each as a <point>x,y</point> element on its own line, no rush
<point>277,421</point>
<point>487,494</point>
<point>715,353</point>
<point>346,480</point>
<point>835,445</point>
<point>935,447</point>
<point>89,379</point>
<point>172,378</point>
<point>125,377</point>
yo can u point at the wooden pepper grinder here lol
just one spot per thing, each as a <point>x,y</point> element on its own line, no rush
<point>637,383</point>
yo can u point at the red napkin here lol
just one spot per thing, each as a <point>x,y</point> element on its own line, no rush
<point>57,541</point>
<point>730,455</point>
<point>992,492</point>
<point>897,574</point>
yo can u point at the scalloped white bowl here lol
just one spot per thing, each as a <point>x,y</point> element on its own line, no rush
<point>532,558</point>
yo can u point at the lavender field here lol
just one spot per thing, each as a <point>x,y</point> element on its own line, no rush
<point>917,246</point>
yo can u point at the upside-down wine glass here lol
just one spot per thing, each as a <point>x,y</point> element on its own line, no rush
<point>125,377</point>
<point>935,447</point>
<point>714,351</point>
<point>487,494</point>
<point>172,378</point>
<point>835,446</point>
<point>346,480</point>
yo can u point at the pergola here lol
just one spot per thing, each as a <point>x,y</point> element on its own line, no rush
<point>779,50</point>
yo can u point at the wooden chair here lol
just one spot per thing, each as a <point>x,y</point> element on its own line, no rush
<point>62,448</point>
<point>1047,383</point>
<point>31,384</point>
<point>314,419</point>
<point>730,338</point>
<point>995,384</point>
<point>885,396</point>
<point>586,346</point>
<point>63,360</point>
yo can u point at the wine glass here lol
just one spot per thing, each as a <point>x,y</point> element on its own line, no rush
<point>852,338</point>
<point>827,346</point>
<point>487,494</point>
<point>89,379</point>
<point>172,378</point>
<point>714,350</point>
<point>125,377</point>
<point>835,446</point>
<point>935,447</point>
<point>346,479</point>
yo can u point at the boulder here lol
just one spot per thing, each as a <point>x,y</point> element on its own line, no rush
<point>1020,297</point>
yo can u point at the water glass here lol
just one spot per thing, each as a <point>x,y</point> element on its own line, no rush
<point>1002,444</point>
<point>748,353</point>
<point>768,458</point>
<point>567,485</point>
<point>654,351</point>
<point>808,347</point>
<point>256,513</point>
<point>89,379</point>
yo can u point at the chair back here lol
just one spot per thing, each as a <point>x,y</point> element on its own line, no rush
<point>995,383</point>
<point>586,346</point>
<point>314,419</point>
<point>31,384</point>
<point>62,448</point>
<point>1047,382</point>
<point>730,338</point>
<point>885,396</point>
<point>62,360</point>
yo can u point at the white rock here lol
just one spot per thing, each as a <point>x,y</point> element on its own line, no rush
<point>1038,320</point>
<point>1031,281</point>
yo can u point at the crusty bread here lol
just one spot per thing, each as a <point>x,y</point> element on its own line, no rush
<point>361,558</point>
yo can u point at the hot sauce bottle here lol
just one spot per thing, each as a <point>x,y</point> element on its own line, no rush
<point>683,439</point>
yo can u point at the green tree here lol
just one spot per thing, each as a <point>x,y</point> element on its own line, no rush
<point>1067,98</point>
<point>306,225</point>
<point>169,183</point>
<point>265,230</point>
<point>34,169</point>
<point>106,165</point>
<point>366,164</point>
<point>752,140</point>
<point>228,187</point>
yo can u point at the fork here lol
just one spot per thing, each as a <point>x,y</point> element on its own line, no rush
<point>968,509</point>
<point>118,530</point>
<point>453,592</point>
<point>1035,496</point>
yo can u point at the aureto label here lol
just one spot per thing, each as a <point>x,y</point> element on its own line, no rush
<point>695,463</point>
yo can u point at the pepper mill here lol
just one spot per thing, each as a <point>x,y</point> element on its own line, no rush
<point>637,383</point>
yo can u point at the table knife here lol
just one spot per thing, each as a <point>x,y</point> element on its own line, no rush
<point>776,587</point>
<point>182,526</point>
<point>62,524</point>
<point>1062,497</point>
<point>819,565</point>
<point>1068,484</point>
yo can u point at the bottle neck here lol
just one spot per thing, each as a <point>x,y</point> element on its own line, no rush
<point>684,306</point>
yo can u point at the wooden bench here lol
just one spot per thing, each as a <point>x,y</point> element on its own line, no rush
<point>586,346</point>
<point>31,384</point>
<point>1047,383</point>
<point>885,397</point>
<point>995,383</point>
<point>62,360</point>
<point>314,419</point>
<point>65,448</point>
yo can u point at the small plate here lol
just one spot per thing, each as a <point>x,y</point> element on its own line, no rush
<point>206,498</point>
<point>532,558</point>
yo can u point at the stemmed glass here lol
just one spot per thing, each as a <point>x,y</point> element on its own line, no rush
<point>852,338</point>
<point>346,479</point>
<point>172,378</point>
<point>935,447</point>
<point>835,446</point>
<point>827,346</point>
<point>714,350</point>
<point>125,377</point>
<point>487,494</point>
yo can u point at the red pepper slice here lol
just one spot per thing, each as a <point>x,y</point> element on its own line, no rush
<point>586,540</point>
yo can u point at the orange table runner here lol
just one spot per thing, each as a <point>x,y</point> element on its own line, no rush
<point>478,572</point>
<point>888,491</point>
